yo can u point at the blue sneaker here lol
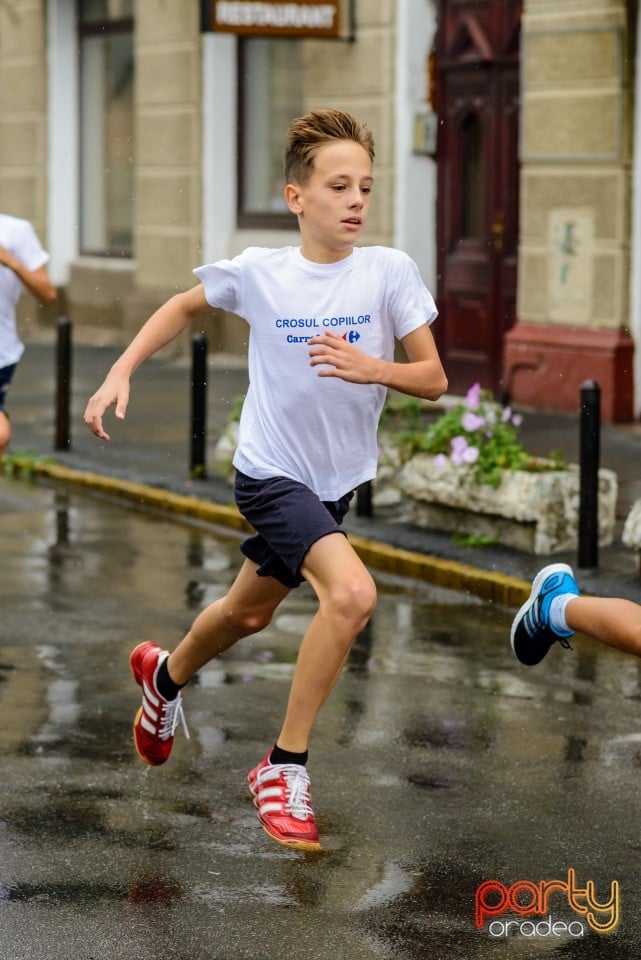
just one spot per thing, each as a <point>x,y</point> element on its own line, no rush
<point>532,635</point>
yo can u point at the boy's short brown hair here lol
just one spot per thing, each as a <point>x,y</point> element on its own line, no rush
<point>318,127</point>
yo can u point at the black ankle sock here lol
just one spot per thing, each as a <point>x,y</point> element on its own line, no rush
<point>286,756</point>
<point>165,685</point>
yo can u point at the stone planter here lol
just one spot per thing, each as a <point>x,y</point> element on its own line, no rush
<point>225,449</point>
<point>535,512</point>
<point>632,527</point>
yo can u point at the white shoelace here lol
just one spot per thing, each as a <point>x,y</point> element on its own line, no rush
<point>171,714</point>
<point>295,798</point>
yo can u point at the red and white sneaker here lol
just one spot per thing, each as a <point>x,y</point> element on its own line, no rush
<point>157,719</point>
<point>281,796</point>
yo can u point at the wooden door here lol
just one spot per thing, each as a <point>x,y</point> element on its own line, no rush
<point>477,100</point>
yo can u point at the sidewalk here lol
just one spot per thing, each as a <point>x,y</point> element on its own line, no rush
<point>152,448</point>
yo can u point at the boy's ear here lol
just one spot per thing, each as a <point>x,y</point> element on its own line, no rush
<point>293,198</point>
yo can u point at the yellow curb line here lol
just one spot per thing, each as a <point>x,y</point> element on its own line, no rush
<point>146,496</point>
<point>492,586</point>
<point>489,585</point>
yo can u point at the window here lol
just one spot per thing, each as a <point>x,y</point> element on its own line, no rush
<point>271,96</point>
<point>106,127</point>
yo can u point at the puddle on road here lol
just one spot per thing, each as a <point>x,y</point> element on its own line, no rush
<point>87,578</point>
<point>438,728</point>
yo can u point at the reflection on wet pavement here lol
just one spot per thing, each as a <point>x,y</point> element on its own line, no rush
<point>437,764</point>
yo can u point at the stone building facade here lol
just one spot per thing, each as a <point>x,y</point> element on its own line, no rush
<point>577,149</point>
<point>184,164</point>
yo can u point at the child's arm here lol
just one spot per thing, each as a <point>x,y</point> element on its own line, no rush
<point>423,376</point>
<point>162,327</point>
<point>37,281</point>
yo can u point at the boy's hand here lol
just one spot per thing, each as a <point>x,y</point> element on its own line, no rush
<point>342,359</point>
<point>113,390</point>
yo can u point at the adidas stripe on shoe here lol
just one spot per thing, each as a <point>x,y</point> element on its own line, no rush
<point>157,719</point>
<point>532,633</point>
<point>281,793</point>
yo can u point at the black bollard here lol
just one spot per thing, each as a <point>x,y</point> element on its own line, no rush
<point>198,465</point>
<point>364,500</point>
<point>63,385</point>
<point>590,452</point>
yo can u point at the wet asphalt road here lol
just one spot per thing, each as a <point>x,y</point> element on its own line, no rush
<point>437,764</point>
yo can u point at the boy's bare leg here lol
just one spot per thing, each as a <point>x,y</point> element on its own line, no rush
<point>5,432</point>
<point>347,595</point>
<point>612,620</point>
<point>246,608</point>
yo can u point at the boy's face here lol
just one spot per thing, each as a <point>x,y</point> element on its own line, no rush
<point>332,205</point>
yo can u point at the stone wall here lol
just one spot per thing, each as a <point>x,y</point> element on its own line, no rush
<point>168,143</point>
<point>107,301</point>
<point>23,129</point>
<point>23,106</point>
<point>575,201</point>
<point>360,77</point>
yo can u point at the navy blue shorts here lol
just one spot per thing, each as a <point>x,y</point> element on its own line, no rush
<point>6,374</point>
<point>288,518</point>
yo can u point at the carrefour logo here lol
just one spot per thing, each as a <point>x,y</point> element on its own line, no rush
<point>313,324</point>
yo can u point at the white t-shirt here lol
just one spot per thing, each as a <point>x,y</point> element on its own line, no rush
<point>19,238</point>
<point>320,431</point>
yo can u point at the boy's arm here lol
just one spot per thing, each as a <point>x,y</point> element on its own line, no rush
<point>162,327</point>
<point>37,281</point>
<point>422,377</point>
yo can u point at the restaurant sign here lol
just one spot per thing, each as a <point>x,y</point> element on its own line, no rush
<point>274,18</point>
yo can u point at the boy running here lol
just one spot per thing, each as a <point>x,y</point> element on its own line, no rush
<point>323,320</point>
<point>22,266</point>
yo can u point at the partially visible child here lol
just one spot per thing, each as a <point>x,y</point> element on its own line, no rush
<point>323,319</point>
<point>554,611</point>
<point>22,265</point>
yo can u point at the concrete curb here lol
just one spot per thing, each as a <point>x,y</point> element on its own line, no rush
<point>491,586</point>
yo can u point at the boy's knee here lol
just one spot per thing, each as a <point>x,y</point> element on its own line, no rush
<point>355,600</point>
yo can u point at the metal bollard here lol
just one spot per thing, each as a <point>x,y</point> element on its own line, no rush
<point>198,464</point>
<point>364,500</point>
<point>63,385</point>
<point>590,451</point>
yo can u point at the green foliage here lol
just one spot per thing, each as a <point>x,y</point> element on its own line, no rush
<point>475,434</point>
<point>23,462</point>
<point>475,539</point>
<point>235,408</point>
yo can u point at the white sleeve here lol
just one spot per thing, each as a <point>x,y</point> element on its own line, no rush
<point>410,304</point>
<point>30,251</point>
<point>221,282</point>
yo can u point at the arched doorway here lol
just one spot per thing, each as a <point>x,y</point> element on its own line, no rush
<point>476,68</point>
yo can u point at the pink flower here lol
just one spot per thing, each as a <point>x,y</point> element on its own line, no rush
<point>458,447</point>
<point>517,419</point>
<point>473,396</point>
<point>462,453</point>
<point>471,422</point>
<point>471,455</point>
<point>439,461</point>
<point>507,413</point>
